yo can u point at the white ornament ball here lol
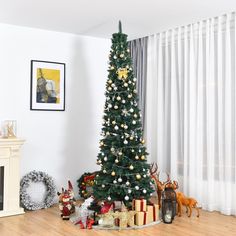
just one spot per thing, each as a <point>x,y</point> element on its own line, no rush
<point>113,122</point>
<point>115,57</point>
<point>112,149</point>
<point>118,98</point>
<point>135,115</point>
<point>129,191</point>
<point>109,88</point>
<point>125,84</point>
<point>105,158</point>
<point>136,157</point>
<point>116,107</point>
<point>103,186</point>
<point>144,176</point>
<point>120,180</point>
<point>104,171</point>
<point>133,122</point>
<point>126,198</point>
<point>120,153</point>
<point>115,88</point>
<point>131,167</point>
<point>116,127</point>
<point>127,183</point>
<point>132,150</point>
<point>114,182</point>
<point>150,194</point>
<point>137,187</point>
<point>109,198</point>
<point>123,101</point>
<point>110,81</point>
<point>144,191</point>
<point>116,160</point>
<point>134,79</point>
<point>113,85</point>
<point>126,126</point>
<point>109,106</point>
<point>125,142</point>
<point>130,96</point>
<point>131,110</point>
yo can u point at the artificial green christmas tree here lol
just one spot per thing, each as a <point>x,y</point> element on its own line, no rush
<point>124,171</point>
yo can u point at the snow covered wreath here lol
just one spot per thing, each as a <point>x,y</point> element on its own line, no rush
<point>35,177</point>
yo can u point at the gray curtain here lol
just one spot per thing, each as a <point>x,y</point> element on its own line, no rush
<point>138,50</point>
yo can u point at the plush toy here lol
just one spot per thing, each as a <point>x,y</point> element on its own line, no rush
<point>66,202</point>
<point>83,214</point>
<point>188,202</point>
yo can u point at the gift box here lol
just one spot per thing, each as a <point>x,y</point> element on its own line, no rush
<point>140,205</point>
<point>152,213</point>
<point>141,218</point>
<point>124,219</point>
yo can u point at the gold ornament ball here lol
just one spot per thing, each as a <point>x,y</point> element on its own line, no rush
<point>142,157</point>
<point>110,81</point>
<point>113,173</point>
<point>82,191</point>
<point>83,183</point>
<point>143,141</point>
<point>138,176</point>
<point>131,138</point>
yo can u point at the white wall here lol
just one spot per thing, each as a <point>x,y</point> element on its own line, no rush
<point>63,144</point>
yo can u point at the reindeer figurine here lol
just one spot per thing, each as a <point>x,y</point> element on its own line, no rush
<point>160,186</point>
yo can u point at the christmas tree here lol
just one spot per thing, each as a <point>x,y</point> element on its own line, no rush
<point>124,173</point>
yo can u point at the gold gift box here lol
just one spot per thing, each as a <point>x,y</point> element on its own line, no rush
<point>141,218</point>
<point>140,205</point>
<point>152,213</point>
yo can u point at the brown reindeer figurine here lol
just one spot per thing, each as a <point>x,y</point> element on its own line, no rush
<point>160,186</point>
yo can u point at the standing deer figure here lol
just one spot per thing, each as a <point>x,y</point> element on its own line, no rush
<point>160,186</point>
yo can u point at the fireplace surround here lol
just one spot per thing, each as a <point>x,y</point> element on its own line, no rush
<point>10,176</point>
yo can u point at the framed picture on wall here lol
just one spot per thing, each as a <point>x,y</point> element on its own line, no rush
<point>47,86</point>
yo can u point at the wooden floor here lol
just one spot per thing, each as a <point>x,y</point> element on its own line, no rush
<point>48,222</point>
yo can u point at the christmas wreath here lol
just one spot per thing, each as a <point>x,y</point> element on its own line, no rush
<point>85,184</point>
<point>34,177</point>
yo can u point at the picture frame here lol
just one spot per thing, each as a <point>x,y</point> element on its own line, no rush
<point>47,90</point>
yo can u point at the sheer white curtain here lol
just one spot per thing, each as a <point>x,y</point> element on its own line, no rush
<point>190,109</point>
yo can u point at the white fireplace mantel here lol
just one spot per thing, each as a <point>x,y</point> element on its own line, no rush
<point>10,160</point>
